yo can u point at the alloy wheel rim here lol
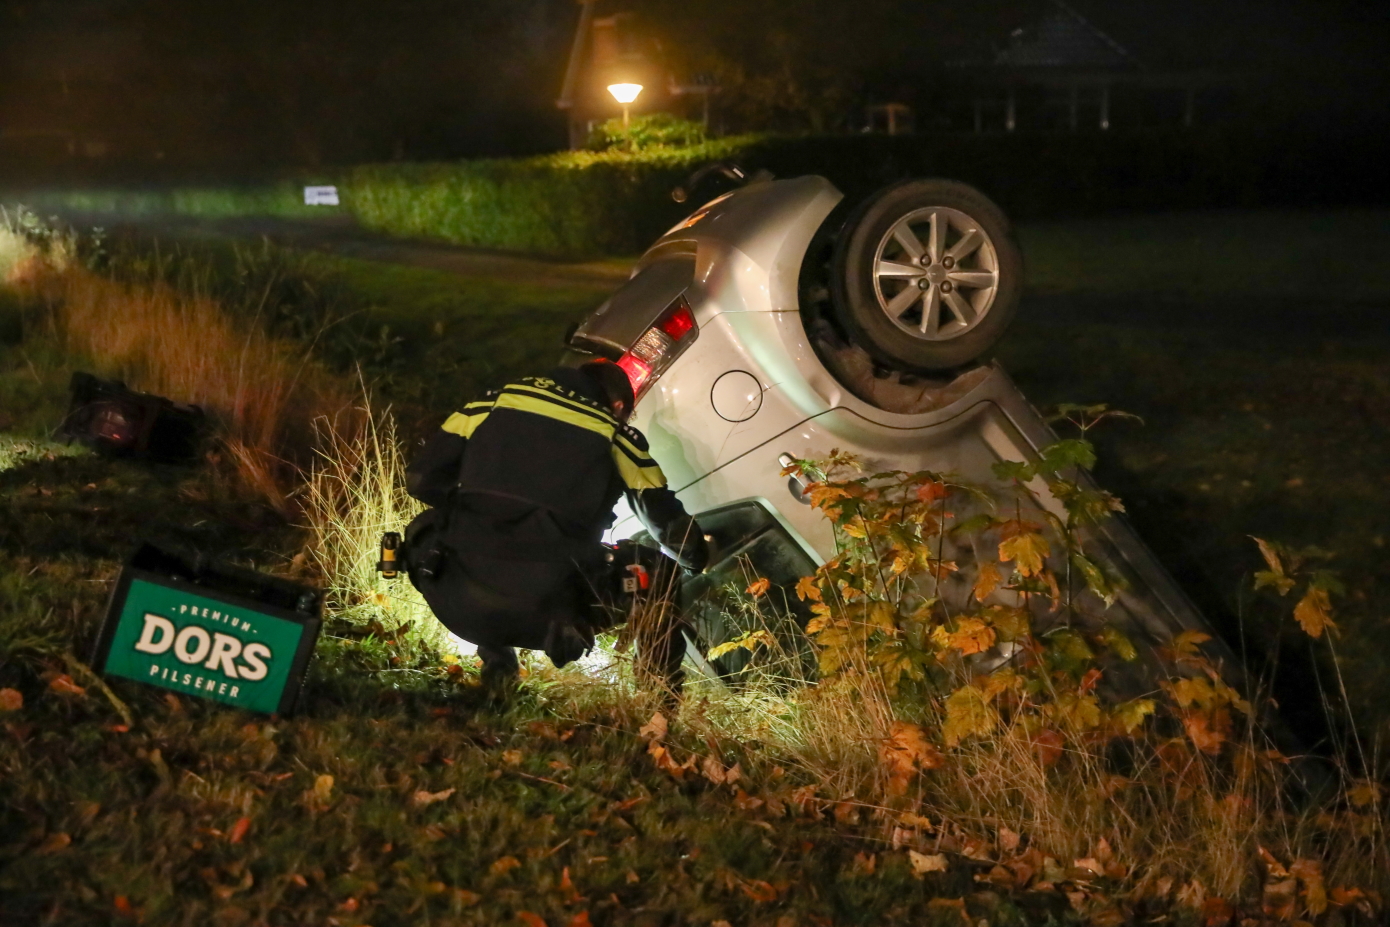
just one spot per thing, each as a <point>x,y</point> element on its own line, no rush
<point>936,273</point>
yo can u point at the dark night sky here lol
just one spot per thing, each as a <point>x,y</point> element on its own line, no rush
<point>293,82</point>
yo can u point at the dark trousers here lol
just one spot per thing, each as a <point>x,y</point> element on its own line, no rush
<point>500,603</point>
<point>650,618</point>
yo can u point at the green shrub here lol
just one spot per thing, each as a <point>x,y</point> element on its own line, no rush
<point>657,130</point>
<point>615,201</point>
<point>573,203</point>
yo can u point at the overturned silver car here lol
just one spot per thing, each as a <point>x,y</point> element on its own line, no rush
<point>774,323</point>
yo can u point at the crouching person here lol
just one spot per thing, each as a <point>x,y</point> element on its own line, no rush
<point>522,485</point>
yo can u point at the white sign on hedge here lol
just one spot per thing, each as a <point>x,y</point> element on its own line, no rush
<point>320,196</point>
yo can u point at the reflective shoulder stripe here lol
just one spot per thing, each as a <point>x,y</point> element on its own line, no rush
<point>465,423</point>
<point>634,437</point>
<point>638,469</point>
<point>554,395</point>
<point>555,407</point>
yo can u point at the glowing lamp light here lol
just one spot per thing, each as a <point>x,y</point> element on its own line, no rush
<point>625,93</point>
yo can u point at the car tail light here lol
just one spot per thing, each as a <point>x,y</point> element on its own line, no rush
<point>659,345</point>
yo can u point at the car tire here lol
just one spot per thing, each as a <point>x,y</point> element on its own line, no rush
<point>933,315</point>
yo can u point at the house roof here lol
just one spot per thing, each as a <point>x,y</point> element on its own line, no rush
<point>1063,38</point>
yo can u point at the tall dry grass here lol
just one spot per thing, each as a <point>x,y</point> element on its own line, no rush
<point>356,492</point>
<point>263,394</point>
<point>1168,824</point>
<point>27,243</point>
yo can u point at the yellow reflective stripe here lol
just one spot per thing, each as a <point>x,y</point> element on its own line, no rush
<point>551,407</point>
<point>637,469</point>
<point>465,424</point>
<point>639,455</point>
<point>564,400</point>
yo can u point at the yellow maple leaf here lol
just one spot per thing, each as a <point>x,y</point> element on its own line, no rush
<point>1000,680</point>
<point>1026,550</point>
<point>972,636</point>
<point>987,580</point>
<point>1186,642</point>
<point>930,491</point>
<point>823,494</point>
<point>1076,712</point>
<point>906,751</point>
<point>808,588</point>
<point>1129,715</point>
<point>941,638</point>
<point>749,642</point>
<point>834,654</point>
<point>1208,730</point>
<point>1193,689</point>
<point>894,662</point>
<point>1314,612</point>
<point>1010,624</point>
<point>1364,793</point>
<point>1275,575</point>
<point>1309,872</point>
<point>967,714</point>
<point>1118,643</point>
<point>880,615</point>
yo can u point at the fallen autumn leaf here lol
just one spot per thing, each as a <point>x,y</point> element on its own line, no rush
<point>422,798</point>
<point>923,862</point>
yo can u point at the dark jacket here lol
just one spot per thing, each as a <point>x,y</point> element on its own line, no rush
<point>529,475</point>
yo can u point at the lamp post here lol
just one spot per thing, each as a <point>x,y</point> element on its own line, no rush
<point>625,94</point>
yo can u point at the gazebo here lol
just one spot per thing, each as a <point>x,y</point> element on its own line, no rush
<point>1061,72</point>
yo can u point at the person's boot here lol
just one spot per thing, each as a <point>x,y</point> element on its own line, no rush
<point>565,642</point>
<point>501,675</point>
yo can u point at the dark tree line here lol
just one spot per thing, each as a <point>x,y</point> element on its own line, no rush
<point>258,83</point>
<point>304,82</point>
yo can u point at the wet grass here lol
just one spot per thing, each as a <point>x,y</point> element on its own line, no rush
<point>397,795</point>
<point>100,825</point>
<point>1254,346</point>
<point>457,336</point>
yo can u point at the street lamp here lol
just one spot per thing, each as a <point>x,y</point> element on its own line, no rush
<point>625,94</point>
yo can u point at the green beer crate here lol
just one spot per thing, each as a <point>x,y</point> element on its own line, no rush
<point>197,627</point>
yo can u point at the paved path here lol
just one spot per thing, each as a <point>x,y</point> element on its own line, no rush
<point>1241,316</point>
<point>347,239</point>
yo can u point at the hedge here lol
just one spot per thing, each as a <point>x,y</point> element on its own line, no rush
<point>576,204</point>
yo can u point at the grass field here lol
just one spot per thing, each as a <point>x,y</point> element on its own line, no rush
<point>1263,377</point>
<point>399,796</point>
